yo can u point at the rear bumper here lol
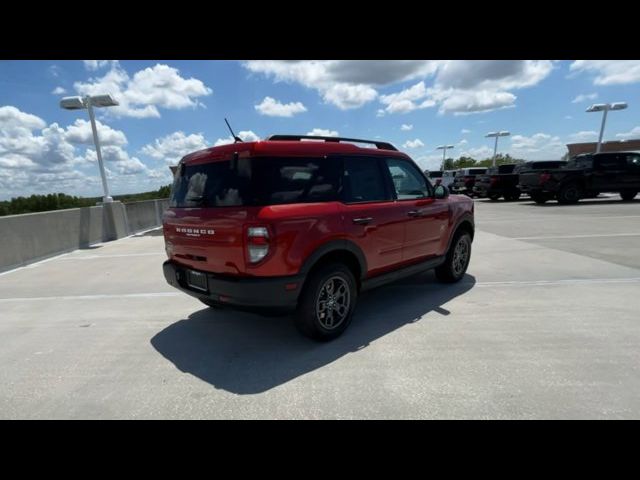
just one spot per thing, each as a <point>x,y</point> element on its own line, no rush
<point>483,191</point>
<point>244,293</point>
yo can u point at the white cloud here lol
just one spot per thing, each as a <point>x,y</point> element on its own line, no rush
<point>117,159</point>
<point>464,131</point>
<point>80,132</point>
<point>479,153</point>
<point>58,91</point>
<point>473,86</point>
<point>417,143</point>
<point>173,147</point>
<point>462,102</point>
<point>584,96</point>
<point>40,158</point>
<point>609,72</point>
<point>633,133</point>
<point>406,100</point>
<point>349,96</point>
<point>343,83</point>
<point>406,127</point>
<point>568,117</point>
<point>96,64</point>
<point>246,136</point>
<point>540,146</point>
<point>140,96</point>
<point>323,132</point>
<point>462,142</point>
<point>273,108</point>
<point>583,136</point>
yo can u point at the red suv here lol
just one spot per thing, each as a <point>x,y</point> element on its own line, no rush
<point>291,224</point>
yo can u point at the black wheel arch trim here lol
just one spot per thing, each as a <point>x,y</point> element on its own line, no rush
<point>335,246</point>
<point>466,218</point>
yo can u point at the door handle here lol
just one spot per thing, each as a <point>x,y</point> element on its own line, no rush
<point>362,221</point>
<point>416,213</point>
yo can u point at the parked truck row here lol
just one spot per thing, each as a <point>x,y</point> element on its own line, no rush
<point>584,176</point>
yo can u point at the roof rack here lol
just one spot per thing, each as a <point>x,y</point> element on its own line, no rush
<point>380,145</point>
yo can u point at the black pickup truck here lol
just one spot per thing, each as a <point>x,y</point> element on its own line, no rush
<point>585,176</point>
<point>499,181</point>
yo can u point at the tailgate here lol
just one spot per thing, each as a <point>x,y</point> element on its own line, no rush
<point>210,239</point>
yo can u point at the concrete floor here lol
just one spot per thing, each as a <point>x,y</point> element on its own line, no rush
<point>545,325</point>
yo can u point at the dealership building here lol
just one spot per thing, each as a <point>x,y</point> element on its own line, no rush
<point>613,146</point>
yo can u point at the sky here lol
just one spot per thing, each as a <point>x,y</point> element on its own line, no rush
<point>170,108</point>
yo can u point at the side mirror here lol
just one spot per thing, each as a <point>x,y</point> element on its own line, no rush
<point>441,192</point>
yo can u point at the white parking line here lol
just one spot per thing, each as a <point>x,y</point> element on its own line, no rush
<point>93,257</point>
<point>595,235</point>
<point>95,297</point>
<point>514,283</point>
<point>569,281</point>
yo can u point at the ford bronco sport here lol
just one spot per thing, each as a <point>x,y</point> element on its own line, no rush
<point>306,226</point>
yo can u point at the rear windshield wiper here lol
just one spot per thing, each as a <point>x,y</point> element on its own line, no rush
<point>199,200</point>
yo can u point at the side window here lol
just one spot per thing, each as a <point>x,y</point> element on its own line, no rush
<point>610,162</point>
<point>633,161</point>
<point>407,181</point>
<point>363,181</point>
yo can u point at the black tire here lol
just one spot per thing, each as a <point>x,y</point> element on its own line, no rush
<point>515,196</point>
<point>628,195</point>
<point>452,270</point>
<point>309,319</point>
<point>539,198</point>
<point>569,193</point>
<point>494,197</point>
<point>210,303</point>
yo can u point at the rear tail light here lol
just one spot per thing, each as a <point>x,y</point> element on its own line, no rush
<point>468,180</point>
<point>257,243</point>
<point>545,177</point>
<point>493,180</point>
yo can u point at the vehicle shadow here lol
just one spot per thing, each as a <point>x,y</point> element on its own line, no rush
<point>247,354</point>
<point>585,202</point>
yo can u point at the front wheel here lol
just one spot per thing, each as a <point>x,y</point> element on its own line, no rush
<point>569,194</point>
<point>457,260</point>
<point>628,195</point>
<point>327,302</point>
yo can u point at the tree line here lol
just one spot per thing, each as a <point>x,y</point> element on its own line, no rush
<point>61,201</point>
<point>470,162</point>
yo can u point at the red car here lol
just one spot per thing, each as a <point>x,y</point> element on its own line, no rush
<point>290,224</point>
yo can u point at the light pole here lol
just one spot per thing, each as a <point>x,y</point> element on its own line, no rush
<point>503,133</point>
<point>605,107</point>
<point>88,102</point>
<point>444,149</point>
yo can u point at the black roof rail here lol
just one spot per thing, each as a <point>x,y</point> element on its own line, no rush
<point>380,145</point>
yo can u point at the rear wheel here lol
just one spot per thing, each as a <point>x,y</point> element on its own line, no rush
<point>327,302</point>
<point>457,260</point>
<point>494,196</point>
<point>539,198</point>
<point>512,196</point>
<point>569,193</point>
<point>628,195</point>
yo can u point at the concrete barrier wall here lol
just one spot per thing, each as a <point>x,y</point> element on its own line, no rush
<point>32,237</point>
<point>146,214</point>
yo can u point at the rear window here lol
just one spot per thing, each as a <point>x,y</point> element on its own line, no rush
<point>506,168</point>
<point>477,171</point>
<point>256,182</point>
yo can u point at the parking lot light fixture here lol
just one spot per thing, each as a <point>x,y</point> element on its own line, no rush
<point>502,133</point>
<point>604,108</point>
<point>444,149</point>
<point>88,102</point>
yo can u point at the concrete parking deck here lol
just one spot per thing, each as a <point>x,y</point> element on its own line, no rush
<point>545,325</point>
